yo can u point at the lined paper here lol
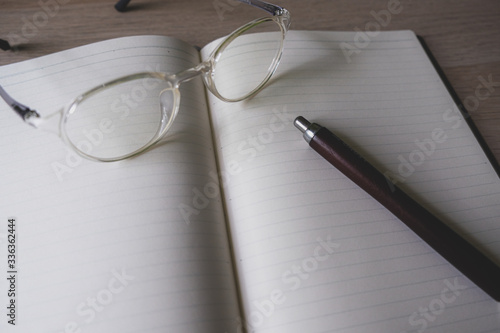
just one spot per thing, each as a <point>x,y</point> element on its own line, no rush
<point>314,253</point>
<point>103,247</point>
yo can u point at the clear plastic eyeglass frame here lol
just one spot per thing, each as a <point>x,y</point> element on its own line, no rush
<point>169,96</point>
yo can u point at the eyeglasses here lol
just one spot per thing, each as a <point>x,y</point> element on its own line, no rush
<point>128,126</point>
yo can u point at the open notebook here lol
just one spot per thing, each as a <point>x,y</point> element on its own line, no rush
<point>233,224</point>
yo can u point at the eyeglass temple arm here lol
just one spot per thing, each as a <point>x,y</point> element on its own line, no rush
<point>268,7</point>
<point>121,5</point>
<point>22,110</point>
<point>4,45</point>
<point>274,10</point>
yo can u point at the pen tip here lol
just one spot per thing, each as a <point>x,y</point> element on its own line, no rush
<point>301,123</point>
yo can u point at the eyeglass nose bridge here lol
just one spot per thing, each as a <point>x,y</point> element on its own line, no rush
<point>170,96</point>
<point>204,69</point>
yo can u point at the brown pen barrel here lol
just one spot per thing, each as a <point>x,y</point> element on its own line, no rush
<point>459,252</point>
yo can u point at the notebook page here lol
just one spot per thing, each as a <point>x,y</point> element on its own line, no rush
<point>314,253</point>
<point>105,247</point>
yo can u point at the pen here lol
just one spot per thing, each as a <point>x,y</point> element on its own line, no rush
<point>456,250</point>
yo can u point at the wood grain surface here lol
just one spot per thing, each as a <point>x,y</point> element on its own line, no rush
<point>462,35</point>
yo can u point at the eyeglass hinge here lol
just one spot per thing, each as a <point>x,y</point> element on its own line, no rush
<point>26,113</point>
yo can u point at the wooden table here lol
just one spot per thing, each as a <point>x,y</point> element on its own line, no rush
<point>463,35</point>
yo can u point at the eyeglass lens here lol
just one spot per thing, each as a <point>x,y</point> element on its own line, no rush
<point>242,67</point>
